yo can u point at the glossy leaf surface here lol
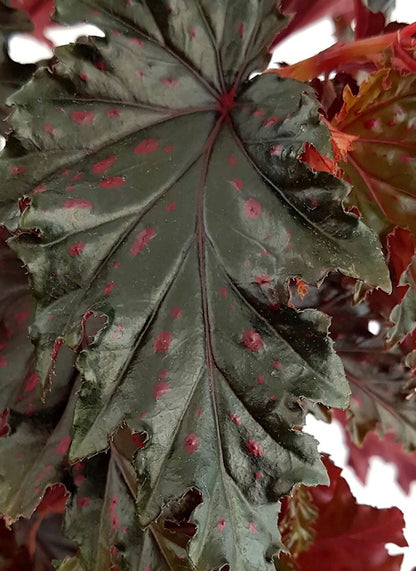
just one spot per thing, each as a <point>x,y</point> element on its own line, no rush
<point>104,505</point>
<point>168,196</point>
<point>17,375</point>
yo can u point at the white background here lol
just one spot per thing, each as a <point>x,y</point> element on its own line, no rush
<point>381,489</point>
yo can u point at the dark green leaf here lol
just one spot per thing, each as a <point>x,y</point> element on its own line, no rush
<point>102,518</point>
<point>17,377</point>
<point>169,198</point>
<point>34,455</point>
<point>403,315</point>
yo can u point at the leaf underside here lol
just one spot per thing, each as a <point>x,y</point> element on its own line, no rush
<point>167,196</point>
<point>381,165</point>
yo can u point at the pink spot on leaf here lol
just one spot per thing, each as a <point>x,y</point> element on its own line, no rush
<point>83,76</point>
<point>109,287</point>
<point>72,203</point>
<point>161,389</point>
<point>405,158</point>
<point>252,527</point>
<point>115,520</point>
<point>142,240</point>
<point>221,524</point>
<point>191,443</point>
<point>70,188</point>
<point>252,340</point>
<point>276,150</point>
<point>276,365</point>
<point>146,147</point>
<point>261,380</point>
<point>371,124</point>
<point>223,291</point>
<point>76,249</point>
<point>113,113</point>
<point>168,148</point>
<point>83,502</point>
<point>176,313</point>
<point>241,29</point>
<point>63,446</point>
<point>49,129</point>
<point>258,475</point>
<point>162,374</point>
<point>235,418</point>
<point>237,184</point>
<point>170,82</point>
<point>263,280</point>
<point>255,448</point>
<point>170,207</point>
<point>271,121</point>
<point>103,165</point>
<point>136,41</point>
<point>83,117</point>
<point>258,113</point>
<point>18,170</point>
<point>112,182</point>
<point>252,209</point>
<point>77,176</point>
<point>163,342</point>
<point>32,382</point>
<point>39,189</point>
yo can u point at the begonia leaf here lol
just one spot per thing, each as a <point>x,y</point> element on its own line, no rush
<point>18,378</point>
<point>12,74</point>
<point>36,452</point>
<point>381,165</point>
<point>104,505</point>
<point>382,386</point>
<point>349,536</point>
<point>167,195</point>
<point>39,12</point>
<point>387,448</point>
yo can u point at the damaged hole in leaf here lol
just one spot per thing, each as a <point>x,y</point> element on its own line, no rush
<point>24,203</point>
<point>128,442</point>
<point>176,516</point>
<point>92,323</point>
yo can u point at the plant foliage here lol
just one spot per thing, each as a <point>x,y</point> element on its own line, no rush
<point>176,232</point>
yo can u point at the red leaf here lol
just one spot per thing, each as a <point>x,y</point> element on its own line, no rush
<point>40,13</point>
<point>387,448</point>
<point>401,248</point>
<point>350,536</point>
<point>317,161</point>
<point>305,13</point>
